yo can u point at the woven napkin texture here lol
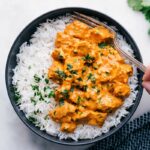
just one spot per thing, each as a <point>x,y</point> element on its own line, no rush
<point>135,135</point>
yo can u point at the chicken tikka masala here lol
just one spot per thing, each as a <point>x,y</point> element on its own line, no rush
<point>91,74</point>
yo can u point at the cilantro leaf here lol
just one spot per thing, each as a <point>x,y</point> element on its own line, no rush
<point>146,12</point>
<point>143,6</point>
<point>145,3</point>
<point>135,4</point>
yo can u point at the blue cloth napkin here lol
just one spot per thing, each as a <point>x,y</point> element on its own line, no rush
<point>133,136</point>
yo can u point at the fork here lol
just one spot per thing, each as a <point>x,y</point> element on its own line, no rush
<point>93,23</point>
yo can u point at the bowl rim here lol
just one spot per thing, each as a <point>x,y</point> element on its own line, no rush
<point>48,137</point>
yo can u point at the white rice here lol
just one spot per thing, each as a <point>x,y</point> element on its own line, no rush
<point>34,58</point>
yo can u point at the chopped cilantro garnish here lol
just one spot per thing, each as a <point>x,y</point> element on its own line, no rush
<point>46,117</point>
<point>51,94</point>
<point>61,74</point>
<point>32,119</point>
<point>65,93</point>
<point>69,67</point>
<point>78,100</point>
<point>41,96</point>
<point>90,75</point>
<point>102,45</point>
<point>37,112</point>
<point>88,57</point>
<point>46,88</point>
<point>35,87</point>
<point>46,81</point>
<point>36,78</point>
<point>73,72</point>
<point>84,88</point>
<point>88,60</point>
<point>17,96</point>
<point>61,101</point>
<point>33,101</point>
<point>79,79</point>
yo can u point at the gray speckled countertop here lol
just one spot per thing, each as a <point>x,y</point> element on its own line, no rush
<point>14,16</point>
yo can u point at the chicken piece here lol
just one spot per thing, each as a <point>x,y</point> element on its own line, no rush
<point>58,54</point>
<point>107,87</point>
<point>62,92</point>
<point>69,118</point>
<point>96,118</point>
<point>121,90</point>
<point>122,78</point>
<point>108,53</point>
<point>56,72</point>
<point>77,29</point>
<point>107,72</point>
<point>89,104</point>
<point>65,41</point>
<point>124,72</point>
<point>114,55</point>
<point>73,64</point>
<point>83,48</point>
<point>126,69</point>
<point>68,127</point>
<point>81,116</point>
<point>62,111</point>
<point>99,34</point>
<point>77,96</point>
<point>88,77</point>
<point>108,102</point>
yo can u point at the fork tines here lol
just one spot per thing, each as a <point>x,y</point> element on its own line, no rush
<point>96,22</point>
<point>91,24</point>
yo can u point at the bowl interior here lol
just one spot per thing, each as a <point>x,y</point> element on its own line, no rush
<point>25,35</point>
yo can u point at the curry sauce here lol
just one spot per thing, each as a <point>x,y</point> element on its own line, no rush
<point>92,76</point>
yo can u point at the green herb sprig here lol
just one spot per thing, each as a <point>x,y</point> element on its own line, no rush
<point>142,6</point>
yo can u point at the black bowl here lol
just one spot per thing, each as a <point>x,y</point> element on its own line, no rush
<point>25,35</point>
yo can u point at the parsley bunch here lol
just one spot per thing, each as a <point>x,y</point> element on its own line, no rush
<point>142,6</point>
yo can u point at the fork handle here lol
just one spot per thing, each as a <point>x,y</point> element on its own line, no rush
<point>137,63</point>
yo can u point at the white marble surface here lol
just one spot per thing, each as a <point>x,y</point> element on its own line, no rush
<point>14,16</point>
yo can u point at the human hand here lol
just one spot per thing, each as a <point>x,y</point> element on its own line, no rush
<point>146,79</point>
